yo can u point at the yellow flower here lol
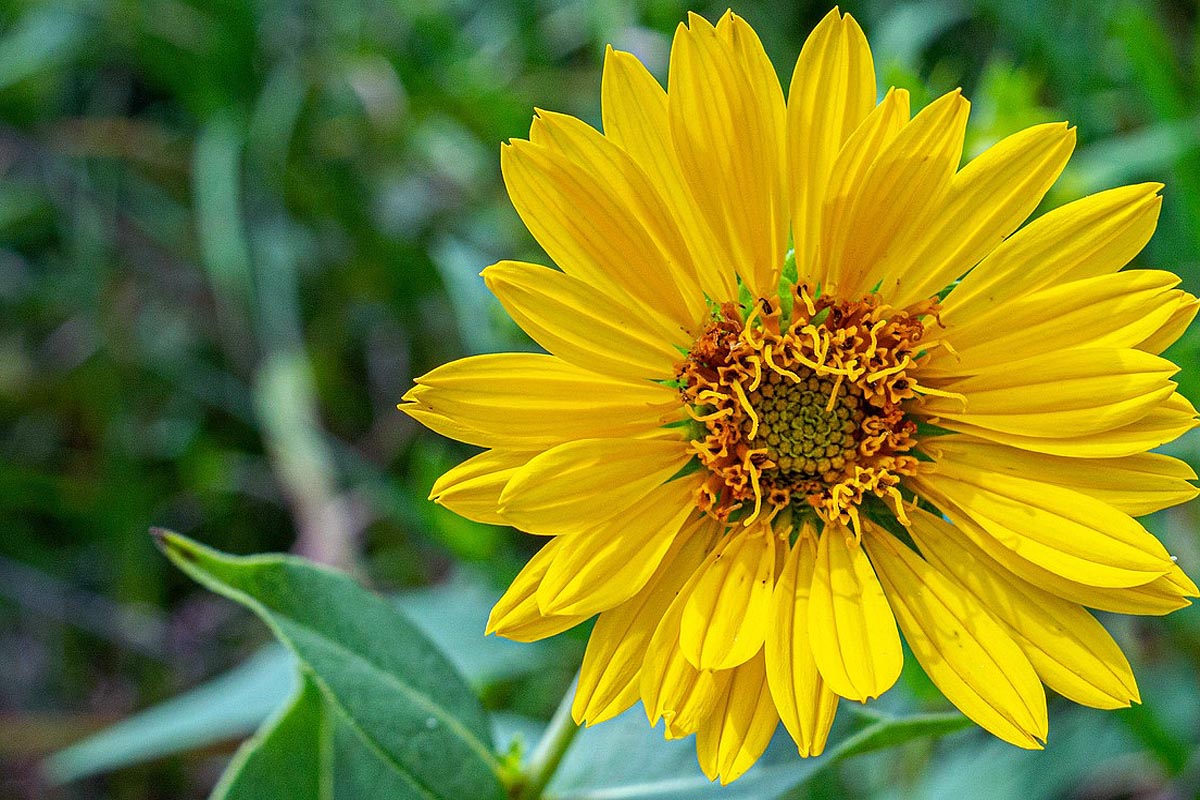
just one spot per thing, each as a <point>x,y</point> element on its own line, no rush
<point>754,466</point>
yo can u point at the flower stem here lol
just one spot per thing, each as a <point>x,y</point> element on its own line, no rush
<point>544,761</point>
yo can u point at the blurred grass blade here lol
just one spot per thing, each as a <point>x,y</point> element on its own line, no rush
<point>908,29</point>
<point>475,309</point>
<point>1132,156</point>
<point>1151,59</point>
<point>286,759</point>
<point>217,190</point>
<point>394,687</point>
<point>228,707</point>
<point>285,398</point>
<point>44,38</point>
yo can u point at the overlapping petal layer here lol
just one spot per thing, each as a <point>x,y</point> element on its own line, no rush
<point>1058,529</point>
<point>850,623</point>
<point>612,665</point>
<point>725,615</point>
<point>805,703</point>
<point>963,649</point>
<point>1068,648</point>
<point>982,396</point>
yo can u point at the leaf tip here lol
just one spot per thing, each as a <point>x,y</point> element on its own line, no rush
<point>173,545</point>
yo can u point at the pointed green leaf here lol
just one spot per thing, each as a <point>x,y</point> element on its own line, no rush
<point>892,731</point>
<point>393,687</point>
<point>230,706</point>
<point>286,758</point>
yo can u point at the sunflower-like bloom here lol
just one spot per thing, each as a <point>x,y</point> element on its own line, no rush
<point>809,388</point>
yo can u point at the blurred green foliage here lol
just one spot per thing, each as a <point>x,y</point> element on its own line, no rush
<point>232,231</point>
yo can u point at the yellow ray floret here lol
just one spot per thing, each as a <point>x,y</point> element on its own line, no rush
<point>963,649</point>
<point>806,705</point>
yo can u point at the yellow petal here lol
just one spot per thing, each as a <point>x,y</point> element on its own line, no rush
<point>831,93</point>
<point>516,614</point>
<point>583,326</point>
<point>727,132</point>
<point>1159,596</point>
<point>1070,651</point>
<point>576,486</point>
<point>1181,318</point>
<point>1136,484</point>
<point>847,178</point>
<point>1056,528</point>
<point>805,703</point>
<point>1082,391</point>
<point>1095,235</point>
<point>901,190</point>
<point>472,489</point>
<point>851,628</point>
<point>1163,424</point>
<point>1119,310</point>
<point>962,649</point>
<point>768,100</point>
<point>748,52</point>
<point>609,677</point>
<point>588,229</point>
<point>611,167</point>
<point>635,117</point>
<point>740,726</point>
<point>672,689</point>
<point>725,617</point>
<point>526,401</point>
<point>985,202</point>
<point>606,565</point>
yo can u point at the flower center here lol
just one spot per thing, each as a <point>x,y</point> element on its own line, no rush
<point>806,406</point>
<point>804,435</point>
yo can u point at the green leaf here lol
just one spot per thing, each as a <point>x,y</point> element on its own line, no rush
<point>627,759</point>
<point>892,731</point>
<point>392,685</point>
<point>285,758</point>
<point>359,771</point>
<point>309,751</point>
<point>452,614</point>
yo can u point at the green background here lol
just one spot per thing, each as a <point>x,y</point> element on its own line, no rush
<point>232,232</point>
